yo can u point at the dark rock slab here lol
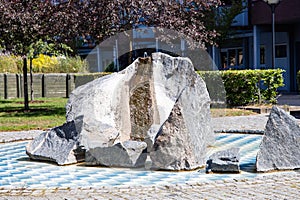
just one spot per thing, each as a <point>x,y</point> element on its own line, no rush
<point>226,161</point>
<point>126,154</point>
<point>280,147</point>
<point>58,145</point>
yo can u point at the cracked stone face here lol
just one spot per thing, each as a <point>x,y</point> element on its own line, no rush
<point>141,112</point>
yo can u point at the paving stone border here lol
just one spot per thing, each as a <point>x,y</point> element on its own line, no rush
<point>272,186</point>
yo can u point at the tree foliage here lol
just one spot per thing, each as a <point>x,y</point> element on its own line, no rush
<point>24,22</point>
<point>221,18</point>
<point>106,18</point>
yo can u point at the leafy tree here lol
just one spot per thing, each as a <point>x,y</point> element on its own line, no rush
<point>24,22</point>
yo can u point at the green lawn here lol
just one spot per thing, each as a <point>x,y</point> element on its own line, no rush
<point>47,113</point>
<point>44,113</point>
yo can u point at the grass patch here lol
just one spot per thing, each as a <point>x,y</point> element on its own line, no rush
<point>44,113</point>
<point>47,113</point>
<point>227,112</point>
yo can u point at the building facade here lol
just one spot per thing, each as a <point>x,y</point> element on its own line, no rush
<point>251,45</point>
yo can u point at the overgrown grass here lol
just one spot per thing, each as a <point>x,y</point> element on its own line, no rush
<point>47,113</point>
<point>43,64</point>
<point>44,113</point>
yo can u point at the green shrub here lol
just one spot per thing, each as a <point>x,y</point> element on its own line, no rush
<point>52,64</point>
<point>245,87</point>
<point>72,65</point>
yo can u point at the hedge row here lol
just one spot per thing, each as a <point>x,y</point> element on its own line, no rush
<point>243,87</point>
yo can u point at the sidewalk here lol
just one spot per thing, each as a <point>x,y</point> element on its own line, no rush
<point>289,99</point>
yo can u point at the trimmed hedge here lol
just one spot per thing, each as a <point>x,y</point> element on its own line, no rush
<point>245,87</point>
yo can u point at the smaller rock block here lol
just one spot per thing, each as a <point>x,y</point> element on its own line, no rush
<point>58,145</point>
<point>125,154</point>
<point>224,161</point>
<point>280,146</point>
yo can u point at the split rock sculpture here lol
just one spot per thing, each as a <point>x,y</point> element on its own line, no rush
<point>149,101</point>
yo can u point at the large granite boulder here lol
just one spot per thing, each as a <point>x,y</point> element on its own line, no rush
<point>226,161</point>
<point>58,145</point>
<point>135,105</point>
<point>280,146</point>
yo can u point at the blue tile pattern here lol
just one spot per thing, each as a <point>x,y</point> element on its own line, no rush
<point>17,170</point>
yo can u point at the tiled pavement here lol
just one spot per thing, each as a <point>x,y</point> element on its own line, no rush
<point>16,170</point>
<point>21,178</point>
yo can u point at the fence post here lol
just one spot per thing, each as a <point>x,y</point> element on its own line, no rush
<point>5,86</point>
<point>18,84</point>
<point>68,85</point>
<point>43,86</point>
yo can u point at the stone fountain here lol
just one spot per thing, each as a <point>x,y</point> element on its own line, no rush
<point>157,108</point>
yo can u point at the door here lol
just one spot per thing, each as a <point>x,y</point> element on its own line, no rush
<point>282,62</point>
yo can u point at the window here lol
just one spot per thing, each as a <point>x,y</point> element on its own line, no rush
<point>232,58</point>
<point>262,55</point>
<point>240,57</point>
<point>224,59</point>
<point>280,51</point>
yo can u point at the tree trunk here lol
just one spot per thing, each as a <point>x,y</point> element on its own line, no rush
<point>25,84</point>
<point>31,80</point>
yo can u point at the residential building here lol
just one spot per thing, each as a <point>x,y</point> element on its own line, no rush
<point>251,45</point>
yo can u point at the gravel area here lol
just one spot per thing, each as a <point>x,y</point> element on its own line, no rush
<point>247,124</point>
<point>18,135</point>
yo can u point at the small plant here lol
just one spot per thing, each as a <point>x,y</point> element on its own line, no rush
<point>44,63</point>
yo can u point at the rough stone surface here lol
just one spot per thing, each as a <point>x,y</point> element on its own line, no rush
<point>226,161</point>
<point>135,103</point>
<point>182,140</point>
<point>177,147</point>
<point>127,154</point>
<point>280,147</point>
<point>58,145</point>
